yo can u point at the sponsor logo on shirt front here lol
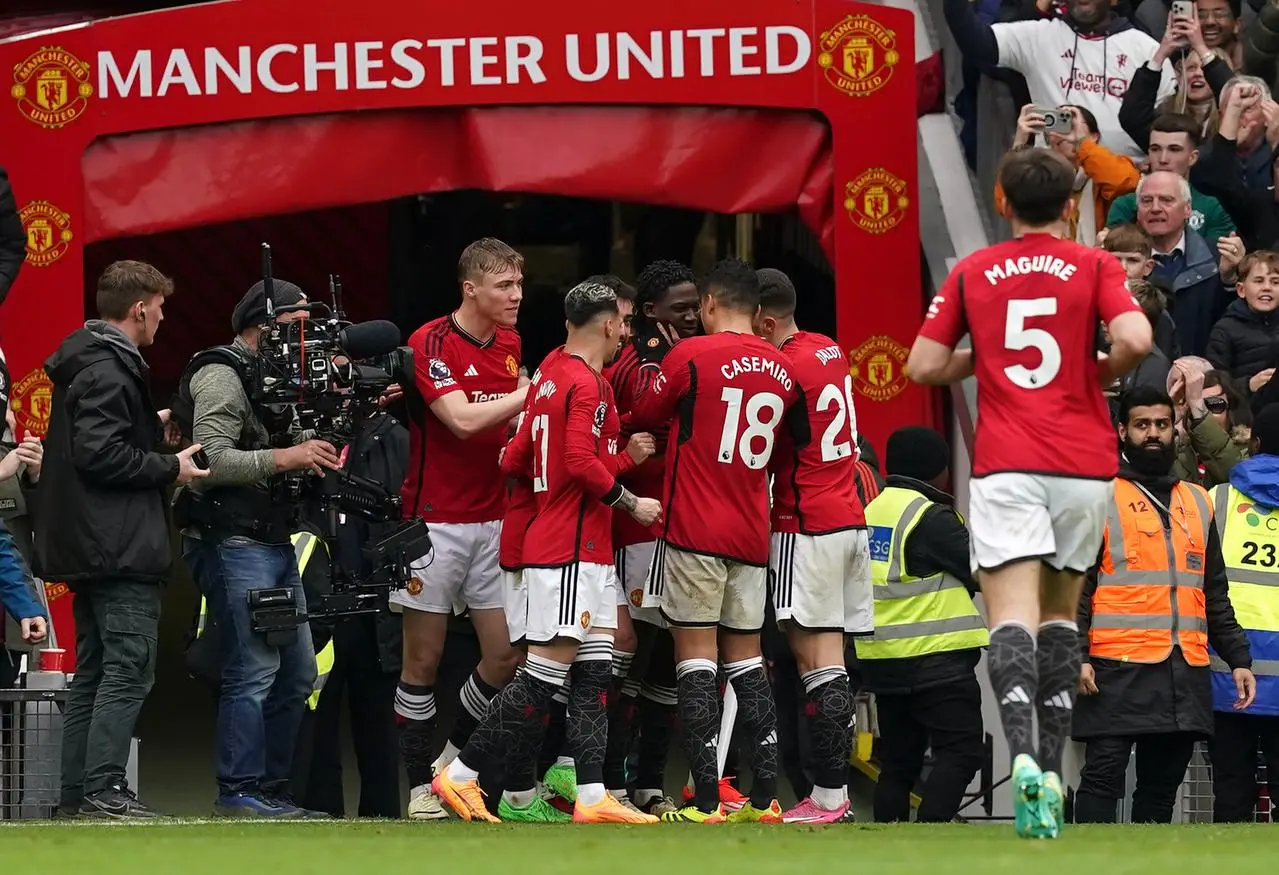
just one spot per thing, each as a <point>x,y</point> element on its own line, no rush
<point>477,395</point>
<point>471,372</point>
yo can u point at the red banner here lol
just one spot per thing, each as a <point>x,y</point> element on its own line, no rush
<point>187,76</point>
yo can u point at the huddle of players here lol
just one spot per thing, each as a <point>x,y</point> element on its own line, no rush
<point>586,542</point>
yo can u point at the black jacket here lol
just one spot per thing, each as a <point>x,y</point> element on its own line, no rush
<point>1243,343</point>
<point>938,543</point>
<point>100,509</point>
<point>1170,696</point>
<point>13,240</point>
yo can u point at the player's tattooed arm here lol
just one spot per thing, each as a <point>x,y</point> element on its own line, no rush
<point>626,499</point>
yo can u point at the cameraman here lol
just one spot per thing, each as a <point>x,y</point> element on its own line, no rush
<point>237,540</point>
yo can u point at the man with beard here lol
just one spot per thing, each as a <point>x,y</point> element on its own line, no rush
<point>1145,678</point>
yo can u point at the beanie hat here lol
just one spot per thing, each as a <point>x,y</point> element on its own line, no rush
<point>916,452</point>
<point>252,307</point>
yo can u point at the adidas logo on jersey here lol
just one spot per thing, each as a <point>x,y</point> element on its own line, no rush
<point>471,372</point>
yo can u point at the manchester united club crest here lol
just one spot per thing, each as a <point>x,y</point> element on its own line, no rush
<point>48,232</point>
<point>876,201</point>
<point>32,401</point>
<point>585,619</point>
<point>878,367</point>
<point>858,55</point>
<point>52,87</point>
<point>512,366</point>
<point>414,586</point>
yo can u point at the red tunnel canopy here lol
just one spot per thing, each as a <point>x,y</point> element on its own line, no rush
<point>240,109</point>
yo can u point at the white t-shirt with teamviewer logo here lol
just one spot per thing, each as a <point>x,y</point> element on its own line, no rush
<point>1062,66</point>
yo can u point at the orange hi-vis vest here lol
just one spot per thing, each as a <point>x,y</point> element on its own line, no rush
<point>1150,587</point>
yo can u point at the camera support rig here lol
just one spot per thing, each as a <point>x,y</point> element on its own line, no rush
<point>329,375</point>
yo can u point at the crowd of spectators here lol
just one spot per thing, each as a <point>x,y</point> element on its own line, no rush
<point>1168,110</point>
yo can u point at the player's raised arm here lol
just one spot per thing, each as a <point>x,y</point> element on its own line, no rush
<point>460,415</point>
<point>1131,335</point>
<point>933,358</point>
<point>655,408</point>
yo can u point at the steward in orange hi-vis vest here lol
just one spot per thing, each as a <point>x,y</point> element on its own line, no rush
<point>1150,587</point>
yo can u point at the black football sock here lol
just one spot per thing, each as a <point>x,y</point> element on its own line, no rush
<point>515,721</point>
<point>415,722</point>
<point>657,706</point>
<point>621,722</point>
<point>1057,658</point>
<point>553,743</point>
<point>757,715</point>
<point>1014,677</point>
<point>698,686</point>
<point>592,674</point>
<point>829,707</point>
<point>474,698</point>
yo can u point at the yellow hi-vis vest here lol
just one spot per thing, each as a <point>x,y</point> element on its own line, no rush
<point>304,544</point>
<point>913,616</point>
<point>1250,550</point>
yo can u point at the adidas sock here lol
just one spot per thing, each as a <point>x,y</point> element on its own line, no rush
<point>699,711</point>
<point>588,709</point>
<point>474,698</point>
<point>514,721</point>
<point>1057,658</point>
<point>757,716</point>
<point>415,720</point>
<point>829,706</point>
<point>1014,677</point>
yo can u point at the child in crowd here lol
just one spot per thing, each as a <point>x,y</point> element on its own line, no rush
<point>1243,342</point>
<point>1132,246</point>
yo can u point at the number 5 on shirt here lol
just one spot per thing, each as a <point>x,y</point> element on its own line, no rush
<point>1018,337</point>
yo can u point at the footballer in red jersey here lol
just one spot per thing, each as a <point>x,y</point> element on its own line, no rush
<point>567,446</point>
<point>1045,454</point>
<point>728,392</point>
<point>467,375</point>
<point>819,569</point>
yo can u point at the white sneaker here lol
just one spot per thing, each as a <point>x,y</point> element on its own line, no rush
<point>425,805</point>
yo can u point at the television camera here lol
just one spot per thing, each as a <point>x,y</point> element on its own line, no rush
<point>331,375</point>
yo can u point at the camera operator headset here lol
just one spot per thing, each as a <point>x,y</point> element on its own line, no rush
<point>236,541</point>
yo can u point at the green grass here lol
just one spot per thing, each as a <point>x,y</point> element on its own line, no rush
<point>454,848</point>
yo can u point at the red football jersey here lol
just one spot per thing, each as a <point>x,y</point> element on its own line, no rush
<point>1031,306</point>
<point>815,463</point>
<point>451,480</point>
<point>521,503</point>
<point>567,445</point>
<point>730,392</point>
<point>630,377</point>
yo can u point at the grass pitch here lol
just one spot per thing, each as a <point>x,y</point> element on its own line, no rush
<point>381,848</point>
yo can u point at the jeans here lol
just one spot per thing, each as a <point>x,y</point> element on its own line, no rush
<point>264,687</point>
<point>117,625</point>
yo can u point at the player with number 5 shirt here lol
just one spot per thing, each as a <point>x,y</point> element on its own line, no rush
<point>1045,455</point>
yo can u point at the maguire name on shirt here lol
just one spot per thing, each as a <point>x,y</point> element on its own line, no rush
<point>1028,264</point>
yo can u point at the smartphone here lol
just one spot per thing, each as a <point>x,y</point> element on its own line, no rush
<point>1059,121</point>
<point>1183,9</point>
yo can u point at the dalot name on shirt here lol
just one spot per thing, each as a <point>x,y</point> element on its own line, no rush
<point>1028,264</point>
<point>756,365</point>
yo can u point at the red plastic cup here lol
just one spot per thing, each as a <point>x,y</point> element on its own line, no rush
<point>52,659</point>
